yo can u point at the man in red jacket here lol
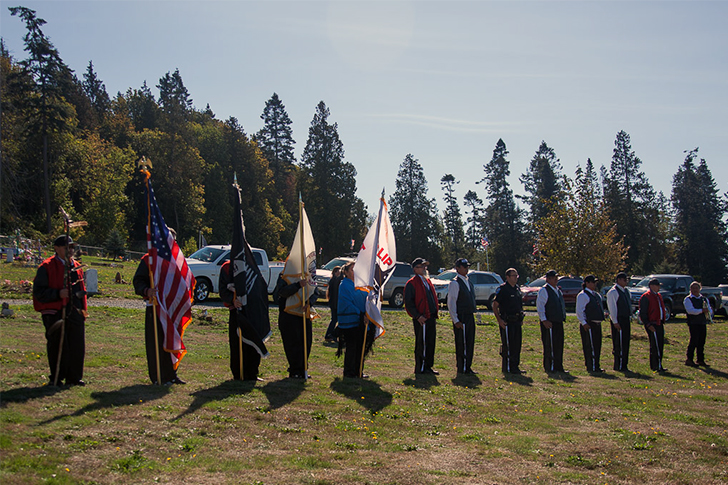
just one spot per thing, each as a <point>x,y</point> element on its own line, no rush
<point>52,291</point>
<point>653,314</point>
<point>420,301</point>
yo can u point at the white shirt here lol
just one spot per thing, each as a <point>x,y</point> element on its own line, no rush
<point>690,308</point>
<point>453,290</point>
<point>582,299</point>
<point>541,299</point>
<point>613,298</point>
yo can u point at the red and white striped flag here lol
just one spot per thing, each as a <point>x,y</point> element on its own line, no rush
<point>173,280</point>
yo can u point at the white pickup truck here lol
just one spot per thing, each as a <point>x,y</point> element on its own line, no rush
<point>205,265</point>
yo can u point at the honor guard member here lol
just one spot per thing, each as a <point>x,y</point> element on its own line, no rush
<point>590,313</point>
<point>461,304</point>
<point>50,295</point>
<point>508,310</point>
<point>699,314</point>
<point>653,314</point>
<point>551,309</point>
<point>620,313</point>
<point>420,301</point>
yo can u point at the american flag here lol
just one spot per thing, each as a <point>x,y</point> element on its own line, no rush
<point>484,242</point>
<point>173,280</point>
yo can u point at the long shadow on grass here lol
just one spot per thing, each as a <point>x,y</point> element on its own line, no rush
<point>217,393</point>
<point>282,392</point>
<point>25,394</point>
<point>364,392</point>
<point>518,379</point>
<point>126,396</point>
<point>467,380</point>
<point>422,381</point>
<point>714,372</point>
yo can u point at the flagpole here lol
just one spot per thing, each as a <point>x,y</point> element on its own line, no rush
<point>374,263</point>
<point>153,298</point>
<point>304,303</point>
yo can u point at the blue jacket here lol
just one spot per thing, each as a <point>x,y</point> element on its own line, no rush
<point>352,304</point>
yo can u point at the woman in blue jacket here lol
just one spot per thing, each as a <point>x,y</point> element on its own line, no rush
<point>351,310</point>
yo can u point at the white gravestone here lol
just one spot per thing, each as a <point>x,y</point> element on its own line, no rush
<point>92,281</point>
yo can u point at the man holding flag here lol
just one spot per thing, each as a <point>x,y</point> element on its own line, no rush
<point>166,283</point>
<point>243,291</point>
<point>295,289</point>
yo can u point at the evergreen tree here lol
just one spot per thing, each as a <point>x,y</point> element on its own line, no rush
<point>115,245</point>
<point>143,109</point>
<point>503,218</point>
<point>48,111</point>
<point>413,215</point>
<point>96,91</point>
<point>328,187</point>
<point>475,231</point>
<point>542,183</point>
<point>700,228</point>
<point>175,101</point>
<point>636,209</point>
<point>452,220</point>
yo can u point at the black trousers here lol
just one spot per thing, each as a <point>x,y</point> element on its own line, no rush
<point>354,339</point>
<point>553,347</point>
<point>74,346</point>
<point>332,331</point>
<point>657,344</point>
<point>511,340</point>
<point>166,368</point>
<point>464,343</point>
<point>291,327</point>
<point>620,343</point>
<point>424,344</point>
<point>251,357</point>
<point>591,344</point>
<point>698,335</point>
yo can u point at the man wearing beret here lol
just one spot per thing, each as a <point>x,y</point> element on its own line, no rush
<point>420,301</point>
<point>461,304</point>
<point>53,291</point>
<point>590,313</point>
<point>620,312</point>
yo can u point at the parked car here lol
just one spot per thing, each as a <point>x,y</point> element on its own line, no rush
<point>205,265</point>
<point>570,287</point>
<point>323,274</point>
<point>393,291</point>
<point>723,310</point>
<point>674,288</point>
<point>484,282</point>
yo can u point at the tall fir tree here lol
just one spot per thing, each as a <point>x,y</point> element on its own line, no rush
<point>542,182</point>
<point>636,209</point>
<point>413,215</point>
<point>700,228</point>
<point>328,187</point>
<point>503,218</point>
<point>452,219</point>
<point>475,228</point>
<point>96,91</point>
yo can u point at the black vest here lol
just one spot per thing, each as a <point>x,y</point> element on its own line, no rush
<point>466,298</point>
<point>624,308</point>
<point>594,310</point>
<point>697,319</point>
<point>555,306</point>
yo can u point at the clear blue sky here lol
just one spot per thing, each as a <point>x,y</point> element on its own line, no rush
<point>441,80</point>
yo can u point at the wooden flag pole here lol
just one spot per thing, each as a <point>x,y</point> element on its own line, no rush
<point>145,164</point>
<point>304,305</point>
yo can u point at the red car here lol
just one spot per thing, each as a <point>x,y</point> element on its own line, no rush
<point>570,287</point>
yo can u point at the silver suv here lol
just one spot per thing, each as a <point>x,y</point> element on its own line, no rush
<point>484,282</point>
<point>394,288</point>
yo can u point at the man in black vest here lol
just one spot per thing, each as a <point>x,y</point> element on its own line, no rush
<point>461,305</point>
<point>508,310</point>
<point>590,313</point>
<point>620,313</point>
<point>552,313</point>
<point>699,311</point>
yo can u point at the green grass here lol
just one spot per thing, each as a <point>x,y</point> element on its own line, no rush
<point>392,428</point>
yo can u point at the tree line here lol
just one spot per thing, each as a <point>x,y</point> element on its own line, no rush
<point>67,143</point>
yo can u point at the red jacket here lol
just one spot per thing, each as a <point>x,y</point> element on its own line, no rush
<point>48,283</point>
<point>420,298</point>
<point>654,302</point>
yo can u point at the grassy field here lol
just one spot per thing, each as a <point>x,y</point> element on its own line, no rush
<point>393,428</point>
